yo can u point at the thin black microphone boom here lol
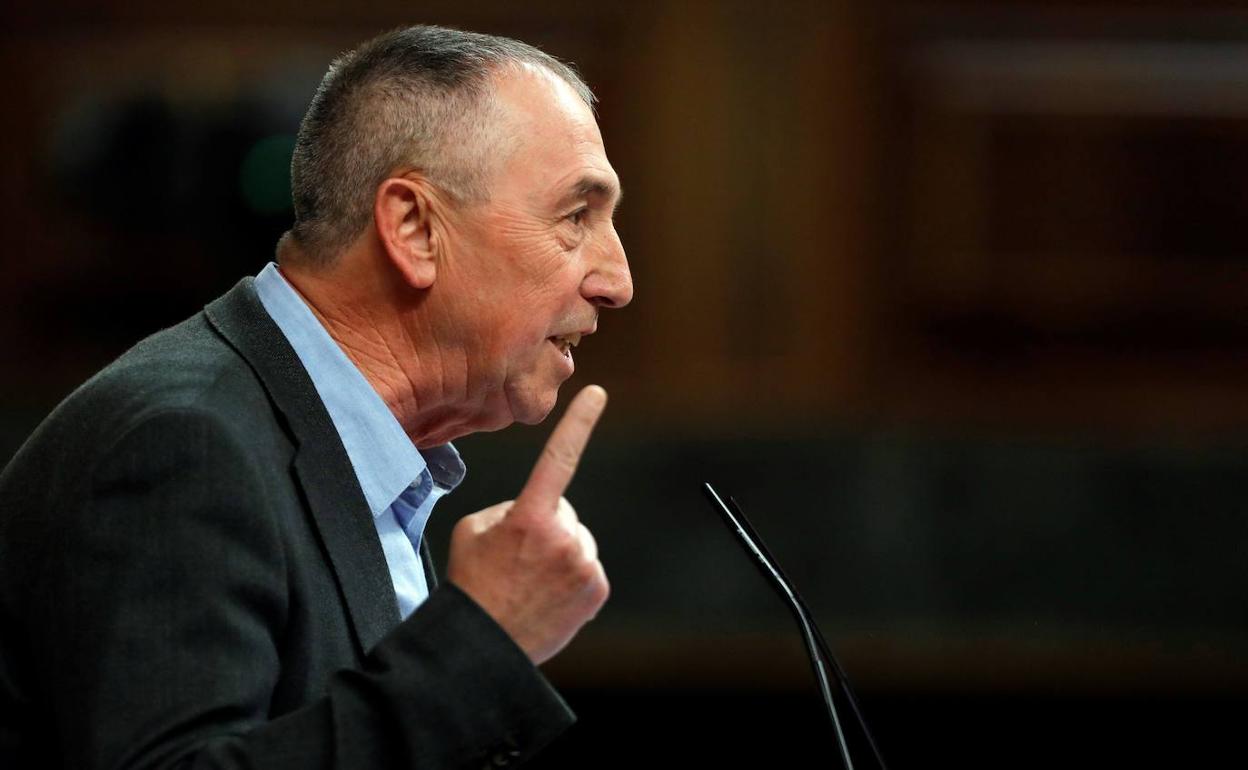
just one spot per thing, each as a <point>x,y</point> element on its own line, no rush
<point>817,647</point>
<point>829,656</point>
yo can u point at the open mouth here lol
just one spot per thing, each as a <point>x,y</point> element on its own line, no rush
<point>565,342</point>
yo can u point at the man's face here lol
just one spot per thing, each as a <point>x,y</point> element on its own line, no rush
<point>526,272</point>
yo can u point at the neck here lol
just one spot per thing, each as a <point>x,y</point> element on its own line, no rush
<point>364,313</point>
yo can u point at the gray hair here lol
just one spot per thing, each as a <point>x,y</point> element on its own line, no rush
<point>418,98</point>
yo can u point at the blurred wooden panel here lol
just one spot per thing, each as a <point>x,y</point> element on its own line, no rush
<point>1024,215</point>
<point>1073,253</point>
<point>756,184</point>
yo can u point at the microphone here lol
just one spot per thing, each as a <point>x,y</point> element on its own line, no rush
<point>821,656</point>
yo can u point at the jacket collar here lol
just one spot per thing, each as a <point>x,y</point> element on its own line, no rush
<point>339,510</point>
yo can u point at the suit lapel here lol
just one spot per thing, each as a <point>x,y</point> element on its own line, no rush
<point>337,503</point>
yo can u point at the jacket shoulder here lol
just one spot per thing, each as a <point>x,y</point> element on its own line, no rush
<point>188,368</point>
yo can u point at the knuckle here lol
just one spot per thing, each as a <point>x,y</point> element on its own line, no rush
<point>567,514</point>
<point>589,574</point>
<point>599,589</point>
<point>568,551</point>
<point>585,534</point>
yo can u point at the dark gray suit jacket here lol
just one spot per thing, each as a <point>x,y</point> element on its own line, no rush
<point>190,577</point>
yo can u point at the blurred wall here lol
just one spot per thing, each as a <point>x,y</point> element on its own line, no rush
<point>948,295</point>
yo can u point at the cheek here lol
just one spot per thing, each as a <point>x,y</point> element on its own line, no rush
<point>534,282</point>
<point>550,281</point>
<point>538,258</point>
<point>516,332</point>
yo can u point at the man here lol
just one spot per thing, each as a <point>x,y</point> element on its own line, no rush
<point>209,553</point>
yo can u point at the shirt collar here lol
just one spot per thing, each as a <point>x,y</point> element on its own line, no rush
<point>384,459</point>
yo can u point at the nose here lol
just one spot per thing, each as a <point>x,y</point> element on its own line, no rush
<point>609,282</point>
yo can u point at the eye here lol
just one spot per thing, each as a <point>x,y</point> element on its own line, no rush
<point>578,216</point>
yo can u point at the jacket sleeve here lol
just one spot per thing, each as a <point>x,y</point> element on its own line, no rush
<point>160,633</point>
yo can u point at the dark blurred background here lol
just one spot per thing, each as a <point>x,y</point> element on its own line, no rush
<point>951,296</point>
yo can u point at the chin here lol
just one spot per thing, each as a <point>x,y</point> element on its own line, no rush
<point>530,407</point>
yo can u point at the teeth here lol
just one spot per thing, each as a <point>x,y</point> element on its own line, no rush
<point>573,339</point>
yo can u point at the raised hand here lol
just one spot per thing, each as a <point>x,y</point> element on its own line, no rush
<point>530,563</point>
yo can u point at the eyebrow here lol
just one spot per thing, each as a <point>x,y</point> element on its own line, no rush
<point>592,186</point>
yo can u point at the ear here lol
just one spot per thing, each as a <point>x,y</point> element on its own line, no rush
<point>401,214</point>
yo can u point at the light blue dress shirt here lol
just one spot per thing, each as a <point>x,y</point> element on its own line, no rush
<point>401,484</point>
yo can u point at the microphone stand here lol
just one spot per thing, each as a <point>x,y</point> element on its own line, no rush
<point>821,656</point>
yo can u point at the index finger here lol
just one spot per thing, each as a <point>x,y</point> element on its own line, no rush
<point>555,467</point>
